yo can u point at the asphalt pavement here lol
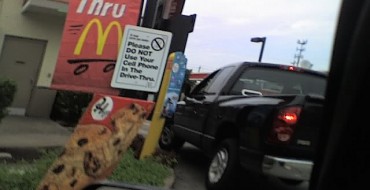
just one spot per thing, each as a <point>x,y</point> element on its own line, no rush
<point>191,172</point>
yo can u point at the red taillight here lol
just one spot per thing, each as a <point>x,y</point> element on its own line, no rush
<point>284,124</point>
<point>289,115</point>
<point>291,68</point>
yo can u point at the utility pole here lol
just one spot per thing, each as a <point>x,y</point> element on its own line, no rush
<point>300,50</point>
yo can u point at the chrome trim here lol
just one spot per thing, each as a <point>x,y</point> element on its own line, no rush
<point>196,132</point>
<point>179,126</point>
<point>287,168</point>
<point>208,136</point>
<point>218,166</point>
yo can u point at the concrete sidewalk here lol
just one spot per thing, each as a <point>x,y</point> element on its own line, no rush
<point>32,132</point>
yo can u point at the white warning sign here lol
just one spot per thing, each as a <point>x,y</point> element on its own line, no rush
<point>142,59</point>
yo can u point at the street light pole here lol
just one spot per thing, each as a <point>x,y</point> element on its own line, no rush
<point>257,40</point>
<point>262,48</point>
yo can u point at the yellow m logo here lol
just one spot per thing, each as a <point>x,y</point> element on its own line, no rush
<point>102,35</point>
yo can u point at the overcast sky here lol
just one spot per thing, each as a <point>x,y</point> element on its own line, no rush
<point>223,30</point>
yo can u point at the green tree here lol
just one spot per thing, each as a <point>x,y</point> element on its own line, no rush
<point>69,106</point>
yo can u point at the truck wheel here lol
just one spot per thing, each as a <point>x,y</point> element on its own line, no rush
<point>168,141</point>
<point>223,168</point>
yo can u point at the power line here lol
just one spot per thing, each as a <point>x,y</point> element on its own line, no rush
<point>300,50</point>
<point>201,68</point>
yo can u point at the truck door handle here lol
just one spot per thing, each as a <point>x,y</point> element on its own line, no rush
<point>195,111</point>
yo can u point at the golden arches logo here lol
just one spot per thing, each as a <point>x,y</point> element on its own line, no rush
<point>102,35</point>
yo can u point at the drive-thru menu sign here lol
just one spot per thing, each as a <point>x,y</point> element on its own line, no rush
<point>142,59</point>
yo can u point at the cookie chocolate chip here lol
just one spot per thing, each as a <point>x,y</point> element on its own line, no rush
<point>73,183</point>
<point>82,142</point>
<point>58,169</point>
<point>116,142</point>
<point>91,164</point>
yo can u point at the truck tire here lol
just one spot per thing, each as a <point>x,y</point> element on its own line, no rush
<point>224,166</point>
<point>168,141</point>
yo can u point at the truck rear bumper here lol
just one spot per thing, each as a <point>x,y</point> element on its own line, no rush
<point>287,168</point>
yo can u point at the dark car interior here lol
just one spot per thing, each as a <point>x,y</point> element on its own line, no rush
<point>342,161</point>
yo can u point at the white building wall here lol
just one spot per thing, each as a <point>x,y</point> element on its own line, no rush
<point>41,24</point>
<point>35,25</point>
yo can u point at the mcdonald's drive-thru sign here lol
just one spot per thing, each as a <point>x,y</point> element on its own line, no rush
<point>91,40</point>
<point>142,59</point>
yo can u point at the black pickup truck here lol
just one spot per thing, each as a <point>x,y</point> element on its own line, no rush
<point>262,117</point>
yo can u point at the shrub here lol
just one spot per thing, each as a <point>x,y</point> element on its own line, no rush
<point>69,106</point>
<point>7,93</point>
<point>167,158</point>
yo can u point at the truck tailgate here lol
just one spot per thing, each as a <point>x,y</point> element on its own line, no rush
<point>307,130</point>
<point>304,140</point>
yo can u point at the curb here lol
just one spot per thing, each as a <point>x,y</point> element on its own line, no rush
<point>170,180</point>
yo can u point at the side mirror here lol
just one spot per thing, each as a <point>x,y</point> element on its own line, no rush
<point>181,103</point>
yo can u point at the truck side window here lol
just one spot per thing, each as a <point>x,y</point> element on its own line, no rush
<point>200,88</point>
<point>214,82</point>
